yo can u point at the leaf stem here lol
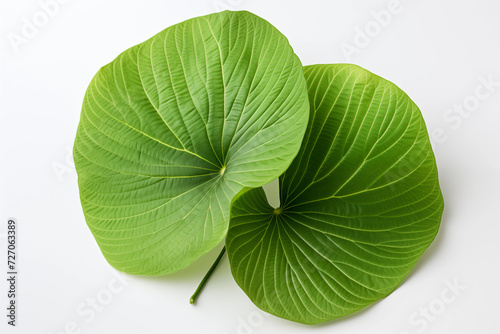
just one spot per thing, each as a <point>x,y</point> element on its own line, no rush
<point>207,276</point>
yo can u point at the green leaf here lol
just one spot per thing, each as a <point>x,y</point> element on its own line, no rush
<point>175,127</point>
<point>359,204</point>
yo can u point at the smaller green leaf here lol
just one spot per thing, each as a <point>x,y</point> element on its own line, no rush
<point>359,205</point>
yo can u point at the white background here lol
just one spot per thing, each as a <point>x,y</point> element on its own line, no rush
<point>439,52</point>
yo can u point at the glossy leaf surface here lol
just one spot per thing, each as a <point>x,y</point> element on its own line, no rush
<point>359,205</point>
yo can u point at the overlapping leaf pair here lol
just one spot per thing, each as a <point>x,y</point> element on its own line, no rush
<point>178,134</point>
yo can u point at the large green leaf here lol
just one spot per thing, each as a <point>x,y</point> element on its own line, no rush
<point>175,127</point>
<point>359,204</point>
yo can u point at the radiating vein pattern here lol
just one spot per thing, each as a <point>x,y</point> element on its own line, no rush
<point>175,127</point>
<point>359,204</point>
